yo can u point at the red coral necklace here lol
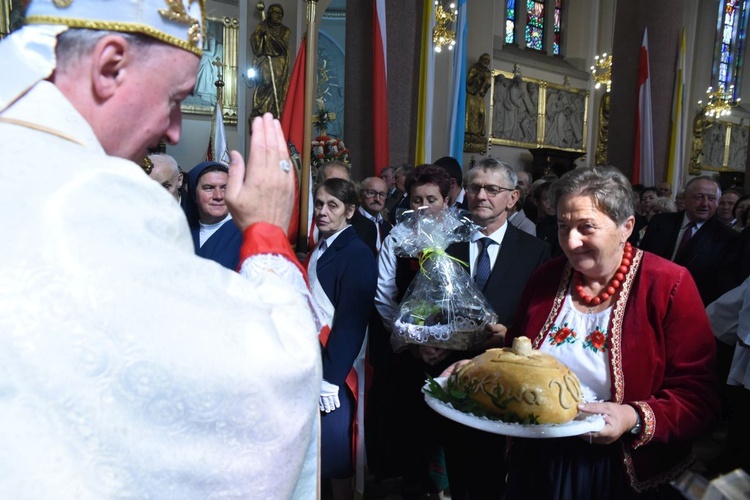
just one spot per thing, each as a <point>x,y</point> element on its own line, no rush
<point>614,284</point>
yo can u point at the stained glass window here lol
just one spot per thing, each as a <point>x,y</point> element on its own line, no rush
<point>556,39</point>
<point>528,16</point>
<point>730,43</point>
<point>534,24</point>
<point>510,21</point>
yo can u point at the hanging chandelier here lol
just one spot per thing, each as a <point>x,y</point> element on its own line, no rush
<point>719,102</point>
<point>601,71</point>
<point>442,34</point>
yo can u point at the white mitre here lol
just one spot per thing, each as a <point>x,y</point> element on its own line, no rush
<point>28,55</point>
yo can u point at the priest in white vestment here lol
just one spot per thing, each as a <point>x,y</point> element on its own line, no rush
<point>129,367</point>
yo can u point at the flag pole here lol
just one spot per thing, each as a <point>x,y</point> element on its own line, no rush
<point>310,74</point>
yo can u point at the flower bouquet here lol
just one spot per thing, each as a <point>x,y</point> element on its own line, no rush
<point>326,148</point>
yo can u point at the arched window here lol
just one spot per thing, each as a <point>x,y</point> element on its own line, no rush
<point>532,19</point>
<point>510,21</point>
<point>534,24</point>
<point>731,28</point>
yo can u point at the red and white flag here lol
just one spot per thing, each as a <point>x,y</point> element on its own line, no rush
<point>217,142</point>
<point>293,126</point>
<point>643,157</point>
<point>380,88</point>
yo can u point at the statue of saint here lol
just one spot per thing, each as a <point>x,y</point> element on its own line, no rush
<point>208,72</point>
<point>478,83</point>
<point>270,44</point>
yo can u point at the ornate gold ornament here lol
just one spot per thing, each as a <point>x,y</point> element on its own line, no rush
<point>147,165</point>
<point>62,3</point>
<point>441,34</point>
<point>177,13</point>
<point>719,102</point>
<point>601,71</point>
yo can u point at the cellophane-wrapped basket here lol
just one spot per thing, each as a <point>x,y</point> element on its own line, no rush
<point>442,307</point>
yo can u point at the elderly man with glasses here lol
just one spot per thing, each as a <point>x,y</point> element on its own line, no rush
<point>368,219</point>
<point>501,259</point>
<point>696,239</point>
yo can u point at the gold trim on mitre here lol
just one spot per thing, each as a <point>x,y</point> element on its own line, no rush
<point>177,13</point>
<point>180,23</point>
<point>117,26</point>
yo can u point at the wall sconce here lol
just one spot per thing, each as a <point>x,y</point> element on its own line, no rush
<point>441,34</point>
<point>601,71</point>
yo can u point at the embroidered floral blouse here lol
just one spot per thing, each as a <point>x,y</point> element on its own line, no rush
<point>581,341</point>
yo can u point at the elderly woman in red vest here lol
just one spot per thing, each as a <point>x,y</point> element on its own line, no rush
<point>632,326</point>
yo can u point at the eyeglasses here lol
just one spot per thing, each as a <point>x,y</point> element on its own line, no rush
<point>490,189</point>
<point>700,197</point>
<point>371,193</point>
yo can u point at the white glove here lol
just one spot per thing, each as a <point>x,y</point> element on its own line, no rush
<point>329,397</point>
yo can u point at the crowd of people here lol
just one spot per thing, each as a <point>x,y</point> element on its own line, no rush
<point>163,340</point>
<point>589,219</point>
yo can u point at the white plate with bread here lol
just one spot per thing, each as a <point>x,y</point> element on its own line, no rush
<point>581,424</point>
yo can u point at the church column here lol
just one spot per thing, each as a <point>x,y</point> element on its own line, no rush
<point>664,24</point>
<point>358,88</point>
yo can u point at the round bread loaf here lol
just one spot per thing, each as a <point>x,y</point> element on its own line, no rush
<point>521,384</point>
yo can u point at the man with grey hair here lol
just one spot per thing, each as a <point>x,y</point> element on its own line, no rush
<point>166,172</point>
<point>501,259</point>
<point>403,203</point>
<point>696,239</point>
<point>368,219</point>
<point>113,385</point>
<point>524,182</point>
<point>388,174</point>
<point>517,215</point>
<point>664,190</point>
<point>334,169</point>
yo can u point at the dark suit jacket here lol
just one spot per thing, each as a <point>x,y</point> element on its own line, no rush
<point>392,200</point>
<point>464,205</point>
<point>710,255</point>
<point>519,255</point>
<point>348,275</point>
<point>223,246</point>
<point>403,204</point>
<point>367,232</point>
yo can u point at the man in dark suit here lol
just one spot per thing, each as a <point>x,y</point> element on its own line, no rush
<point>696,240</point>
<point>368,220</point>
<point>403,202</point>
<point>388,174</point>
<point>457,194</point>
<point>501,259</point>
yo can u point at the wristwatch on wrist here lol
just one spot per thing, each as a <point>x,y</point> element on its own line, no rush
<point>637,427</point>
